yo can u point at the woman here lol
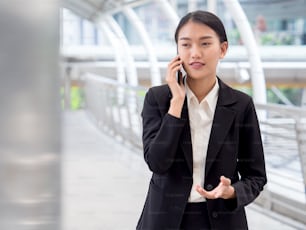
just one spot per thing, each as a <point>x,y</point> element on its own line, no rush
<point>201,138</point>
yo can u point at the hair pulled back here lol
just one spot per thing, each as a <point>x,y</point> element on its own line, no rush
<point>206,18</point>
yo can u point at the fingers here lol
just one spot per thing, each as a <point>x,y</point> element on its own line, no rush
<point>204,193</point>
<point>177,90</point>
<point>173,66</point>
<point>225,181</point>
<point>213,194</point>
<point>175,63</point>
<point>223,190</point>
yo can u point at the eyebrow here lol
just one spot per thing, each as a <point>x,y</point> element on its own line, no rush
<point>201,38</point>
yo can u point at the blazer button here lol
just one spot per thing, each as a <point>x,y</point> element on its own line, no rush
<point>215,215</point>
<point>209,187</point>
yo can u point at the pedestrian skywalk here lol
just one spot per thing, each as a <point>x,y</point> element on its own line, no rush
<point>104,182</point>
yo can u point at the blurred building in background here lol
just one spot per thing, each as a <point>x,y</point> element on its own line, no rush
<point>279,28</point>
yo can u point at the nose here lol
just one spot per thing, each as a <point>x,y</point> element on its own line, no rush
<point>195,52</point>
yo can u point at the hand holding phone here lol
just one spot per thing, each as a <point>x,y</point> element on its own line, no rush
<point>175,73</point>
<point>175,80</point>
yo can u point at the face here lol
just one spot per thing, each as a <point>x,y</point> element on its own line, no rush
<point>200,49</point>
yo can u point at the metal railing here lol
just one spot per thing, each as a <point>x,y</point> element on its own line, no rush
<point>116,109</point>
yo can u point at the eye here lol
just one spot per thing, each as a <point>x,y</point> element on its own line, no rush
<point>186,45</point>
<point>205,44</point>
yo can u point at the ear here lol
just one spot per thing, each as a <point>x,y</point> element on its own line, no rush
<point>223,49</point>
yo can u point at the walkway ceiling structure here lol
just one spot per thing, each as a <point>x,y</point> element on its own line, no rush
<point>95,10</point>
<point>274,8</point>
<point>90,9</point>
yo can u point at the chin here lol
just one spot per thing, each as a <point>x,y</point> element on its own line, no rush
<point>196,76</point>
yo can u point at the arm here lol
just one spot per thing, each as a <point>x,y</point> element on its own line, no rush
<point>251,163</point>
<point>161,133</point>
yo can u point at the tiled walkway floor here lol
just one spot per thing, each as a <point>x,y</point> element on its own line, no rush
<point>104,182</point>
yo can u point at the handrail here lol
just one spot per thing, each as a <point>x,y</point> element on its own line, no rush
<point>116,107</point>
<point>284,109</point>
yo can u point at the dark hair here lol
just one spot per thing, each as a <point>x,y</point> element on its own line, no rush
<point>206,18</point>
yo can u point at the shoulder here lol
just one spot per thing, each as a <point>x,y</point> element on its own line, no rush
<point>161,89</point>
<point>241,96</point>
<point>159,93</point>
<point>229,94</point>
<point>232,97</point>
<point>157,98</point>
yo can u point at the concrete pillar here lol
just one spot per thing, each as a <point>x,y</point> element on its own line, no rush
<point>30,115</point>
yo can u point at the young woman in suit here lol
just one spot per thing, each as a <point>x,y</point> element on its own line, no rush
<point>201,138</point>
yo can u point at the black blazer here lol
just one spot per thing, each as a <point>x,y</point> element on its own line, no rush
<point>235,151</point>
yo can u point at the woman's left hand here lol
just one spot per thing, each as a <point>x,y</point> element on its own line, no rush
<point>224,190</point>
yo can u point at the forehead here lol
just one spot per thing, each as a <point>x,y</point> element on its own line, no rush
<point>196,30</point>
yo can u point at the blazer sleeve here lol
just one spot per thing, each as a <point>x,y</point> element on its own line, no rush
<point>251,163</point>
<point>161,132</point>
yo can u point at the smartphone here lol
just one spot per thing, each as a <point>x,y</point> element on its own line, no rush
<point>179,76</point>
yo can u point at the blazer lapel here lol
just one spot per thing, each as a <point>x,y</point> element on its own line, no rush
<point>186,138</point>
<point>222,122</point>
<point>223,119</point>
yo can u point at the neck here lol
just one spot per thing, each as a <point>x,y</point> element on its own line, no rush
<point>201,87</point>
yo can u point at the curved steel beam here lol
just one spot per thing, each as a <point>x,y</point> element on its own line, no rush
<point>119,55</point>
<point>192,5</point>
<point>248,38</point>
<point>170,11</point>
<point>137,23</point>
<point>212,6</point>
<point>130,66</point>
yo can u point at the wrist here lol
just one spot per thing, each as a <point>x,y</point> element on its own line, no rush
<point>176,105</point>
<point>232,192</point>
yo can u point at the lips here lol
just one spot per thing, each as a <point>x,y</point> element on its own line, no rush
<point>196,65</point>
